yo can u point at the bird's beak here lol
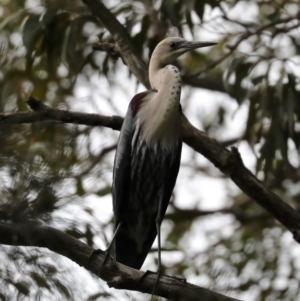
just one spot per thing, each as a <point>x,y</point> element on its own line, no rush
<point>194,45</point>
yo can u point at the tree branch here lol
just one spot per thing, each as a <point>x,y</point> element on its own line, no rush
<point>242,38</point>
<point>129,53</point>
<point>43,113</point>
<point>207,82</point>
<point>181,215</point>
<point>110,48</point>
<point>229,162</point>
<point>119,276</point>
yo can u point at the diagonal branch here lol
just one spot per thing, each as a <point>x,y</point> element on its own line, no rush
<point>208,82</point>
<point>231,164</point>
<point>119,276</point>
<point>129,53</point>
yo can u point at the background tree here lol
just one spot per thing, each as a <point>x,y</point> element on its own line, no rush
<point>56,166</point>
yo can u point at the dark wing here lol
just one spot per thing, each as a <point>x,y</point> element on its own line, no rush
<point>129,251</point>
<point>125,248</point>
<point>171,177</point>
<point>136,259</point>
<point>169,181</point>
<point>121,178</point>
<point>122,164</point>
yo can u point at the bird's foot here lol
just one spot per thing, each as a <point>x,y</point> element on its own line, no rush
<point>106,256</point>
<point>145,275</point>
<point>159,274</point>
<point>164,275</point>
<point>178,278</point>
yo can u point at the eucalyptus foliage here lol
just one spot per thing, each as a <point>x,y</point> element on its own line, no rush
<point>58,174</point>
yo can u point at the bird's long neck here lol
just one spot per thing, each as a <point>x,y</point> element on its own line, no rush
<point>162,76</point>
<point>159,117</point>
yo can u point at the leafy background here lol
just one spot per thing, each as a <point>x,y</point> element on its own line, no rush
<point>243,91</point>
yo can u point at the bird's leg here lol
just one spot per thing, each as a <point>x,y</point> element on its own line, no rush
<point>107,250</point>
<point>158,223</point>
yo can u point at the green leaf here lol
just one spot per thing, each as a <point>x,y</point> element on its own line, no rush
<point>189,5</point>
<point>234,64</point>
<point>102,295</point>
<point>169,10</point>
<point>199,8</point>
<point>22,287</point>
<point>273,16</point>
<point>104,191</point>
<point>140,38</point>
<point>79,187</point>
<point>32,37</point>
<point>51,269</point>
<point>241,73</point>
<point>189,21</point>
<point>62,288</point>
<point>40,280</point>
<point>31,32</point>
<point>257,80</point>
<point>55,34</point>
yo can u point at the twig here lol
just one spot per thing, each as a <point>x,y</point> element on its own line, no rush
<point>233,47</point>
<point>43,113</point>
<point>231,164</point>
<point>111,49</point>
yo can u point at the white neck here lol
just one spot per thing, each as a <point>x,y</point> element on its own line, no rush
<point>159,116</point>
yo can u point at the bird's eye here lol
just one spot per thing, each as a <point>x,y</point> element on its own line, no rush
<point>173,45</point>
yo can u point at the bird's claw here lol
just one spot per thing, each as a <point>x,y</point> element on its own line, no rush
<point>106,256</point>
<point>148,272</point>
<point>158,277</point>
<point>181,279</point>
<point>145,275</point>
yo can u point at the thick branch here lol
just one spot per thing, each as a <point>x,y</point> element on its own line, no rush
<point>119,276</point>
<point>242,38</point>
<point>230,163</point>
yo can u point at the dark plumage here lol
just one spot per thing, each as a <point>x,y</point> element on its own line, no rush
<point>142,176</point>
<point>148,156</point>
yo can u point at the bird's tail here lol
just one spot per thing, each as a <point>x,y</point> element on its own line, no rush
<point>126,252</point>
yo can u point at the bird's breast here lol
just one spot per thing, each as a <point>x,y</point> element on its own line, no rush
<point>159,118</point>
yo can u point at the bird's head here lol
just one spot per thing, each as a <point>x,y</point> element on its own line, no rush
<point>169,49</point>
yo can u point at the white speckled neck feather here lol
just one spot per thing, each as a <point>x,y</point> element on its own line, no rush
<point>164,125</point>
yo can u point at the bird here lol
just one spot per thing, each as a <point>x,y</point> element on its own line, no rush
<point>147,158</point>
